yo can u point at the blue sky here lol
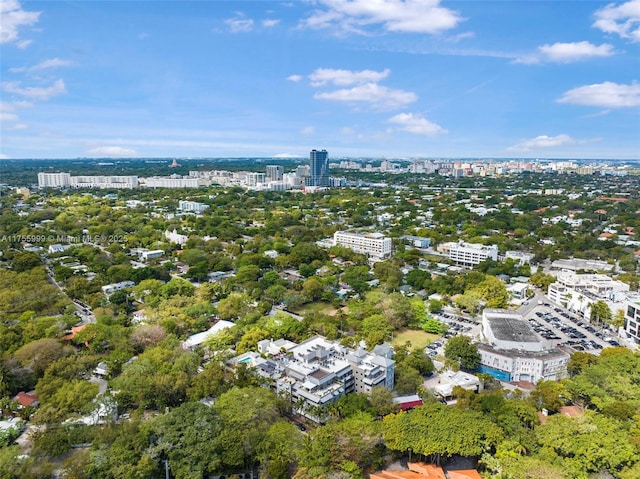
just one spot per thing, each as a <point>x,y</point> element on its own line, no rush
<point>371,78</point>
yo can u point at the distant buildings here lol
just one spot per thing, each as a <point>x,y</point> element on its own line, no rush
<point>175,237</point>
<point>274,173</point>
<point>318,168</point>
<point>173,181</point>
<point>469,254</point>
<point>192,206</point>
<point>65,180</point>
<point>375,245</point>
<point>515,352</point>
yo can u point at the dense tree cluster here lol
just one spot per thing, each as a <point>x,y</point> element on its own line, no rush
<point>278,283</point>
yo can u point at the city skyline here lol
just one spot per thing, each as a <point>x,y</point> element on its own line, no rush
<point>379,79</point>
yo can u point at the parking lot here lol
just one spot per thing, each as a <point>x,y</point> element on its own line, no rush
<point>549,321</point>
<point>556,324</point>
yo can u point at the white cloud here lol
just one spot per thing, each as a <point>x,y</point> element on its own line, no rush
<point>4,157</point>
<point>460,36</point>
<point>322,76</point>
<point>44,65</point>
<point>270,22</point>
<point>379,97</point>
<point>17,126</point>
<point>416,124</point>
<point>623,20</point>
<point>287,155</point>
<point>238,25</point>
<point>112,152</point>
<point>14,17</point>
<point>410,16</point>
<point>543,141</point>
<point>347,130</point>
<point>308,130</point>
<point>606,95</point>
<point>294,78</point>
<point>8,116</point>
<point>35,93</point>
<point>567,53</point>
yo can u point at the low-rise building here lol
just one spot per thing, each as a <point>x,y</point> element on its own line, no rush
<point>192,206</point>
<point>109,289</point>
<point>469,254</point>
<point>151,254</point>
<point>632,319</point>
<point>577,292</point>
<point>513,351</point>
<point>372,244</point>
<point>317,372</point>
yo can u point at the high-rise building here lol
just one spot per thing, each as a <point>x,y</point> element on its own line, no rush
<point>319,168</point>
<point>274,172</point>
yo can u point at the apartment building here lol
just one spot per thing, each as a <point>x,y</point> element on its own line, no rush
<point>632,318</point>
<point>65,180</point>
<point>375,245</point>
<point>317,372</point>
<point>193,206</point>
<point>469,254</point>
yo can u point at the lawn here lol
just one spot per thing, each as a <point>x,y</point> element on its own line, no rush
<point>418,338</point>
<point>320,307</point>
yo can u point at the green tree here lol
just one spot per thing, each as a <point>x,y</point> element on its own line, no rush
<point>461,352</point>
<point>188,437</point>
<point>600,312</point>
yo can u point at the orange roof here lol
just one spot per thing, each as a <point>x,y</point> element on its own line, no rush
<point>605,235</point>
<point>427,470</point>
<point>468,474</point>
<point>75,330</point>
<point>26,399</point>
<point>417,470</point>
<point>396,475</point>
<point>601,211</point>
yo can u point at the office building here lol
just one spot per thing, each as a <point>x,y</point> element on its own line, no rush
<point>515,352</point>
<point>469,254</point>
<point>318,168</point>
<point>375,245</point>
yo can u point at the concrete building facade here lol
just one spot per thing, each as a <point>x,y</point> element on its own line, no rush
<point>375,245</point>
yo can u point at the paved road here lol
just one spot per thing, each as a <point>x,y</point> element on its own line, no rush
<point>83,311</point>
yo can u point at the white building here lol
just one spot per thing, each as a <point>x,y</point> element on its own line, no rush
<point>109,289</point>
<point>170,182</point>
<point>520,257</point>
<point>151,254</point>
<point>515,352</point>
<point>469,254</point>
<point>175,237</point>
<point>192,206</point>
<point>577,292</point>
<point>53,180</point>
<point>104,181</point>
<point>632,319</point>
<point>375,245</point>
<point>317,372</point>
